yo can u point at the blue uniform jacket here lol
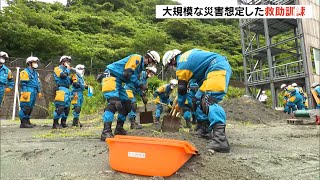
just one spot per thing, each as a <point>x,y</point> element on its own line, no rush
<point>133,63</point>
<point>193,64</point>
<point>30,80</point>
<point>76,78</point>
<point>6,77</point>
<point>143,80</point>
<point>163,92</point>
<point>58,71</point>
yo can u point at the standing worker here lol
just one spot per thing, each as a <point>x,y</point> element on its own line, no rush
<point>77,88</point>
<point>62,99</point>
<point>263,97</point>
<point>212,72</point>
<point>162,95</point>
<point>132,91</point>
<point>127,71</point>
<point>316,93</point>
<point>6,78</point>
<point>30,89</point>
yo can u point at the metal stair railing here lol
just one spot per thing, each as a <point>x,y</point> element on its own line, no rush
<point>287,70</point>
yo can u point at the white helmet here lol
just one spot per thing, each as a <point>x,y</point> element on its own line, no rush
<point>65,57</point>
<point>174,82</point>
<point>154,56</point>
<point>283,86</point>
<point>169,55</point>
<point>294,84</point>
<point>315,85</point>
<point>152,69</point>
<point>263,92</point>
<point>32,59</point>
<point>80,69</point>
<point>80,66</point>
<point>4,55</point>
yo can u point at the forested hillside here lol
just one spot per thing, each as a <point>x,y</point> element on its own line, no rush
<point>108,30</point>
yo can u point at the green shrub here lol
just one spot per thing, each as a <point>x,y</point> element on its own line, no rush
<point>154,82</point>
<point>234,92</point>
<point>95,103</point>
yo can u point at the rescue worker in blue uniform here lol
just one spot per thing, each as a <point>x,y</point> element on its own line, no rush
<point>316,94</point>
<point>295,101</point>
<point>187,109</point>
<point>286,95</point>
<point>212,72</point>
<point>126,70</point>
<point>162,95</point>
<point>63,96</point>
<point>304,96</point>
<point>30,89</point>
<point>193,88</point>
<point>132,91</point>
<point>6,78</point>
<point>77,88</point>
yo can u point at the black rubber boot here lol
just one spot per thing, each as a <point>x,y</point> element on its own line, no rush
<point>55,124</point>
<point>201,129</point>
<point>119,128</point>
<point>64,123</point>
<point>219,141</point>
<point>25,124</point>
<point>132,121</point>
<point>76,123</point>
<point>188,124</point>
<point>107,131</point>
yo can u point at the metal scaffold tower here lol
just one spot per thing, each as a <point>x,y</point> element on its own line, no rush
<point>273,52</point>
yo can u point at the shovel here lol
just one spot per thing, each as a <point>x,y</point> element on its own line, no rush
<point>146,116</point>
<point>171,122</point>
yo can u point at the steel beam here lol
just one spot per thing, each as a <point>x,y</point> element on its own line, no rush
<point>305,64</point>
<point>244,57</point>
<point>270,64</point>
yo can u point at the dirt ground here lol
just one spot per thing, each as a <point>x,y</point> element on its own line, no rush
<point>265,149</point>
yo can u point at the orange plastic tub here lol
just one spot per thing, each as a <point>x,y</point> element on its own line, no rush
<point>148,156</point>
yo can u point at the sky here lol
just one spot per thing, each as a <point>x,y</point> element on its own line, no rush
<point>183,2</point>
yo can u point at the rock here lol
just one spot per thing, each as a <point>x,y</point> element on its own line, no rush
<point>211,152</point>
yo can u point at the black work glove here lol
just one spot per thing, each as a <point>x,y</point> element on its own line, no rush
<point>143,87</point>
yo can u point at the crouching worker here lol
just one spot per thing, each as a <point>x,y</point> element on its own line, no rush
<point>188,109</point>
<point>30,89</point>
<point>62,99</point>
<point>212,72</point>
<point>6,78</point>
<point>132,92</point>
<point>126,71</point>
<point>295,101</point>
<point>162,95</point>
<point>77,88</point>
